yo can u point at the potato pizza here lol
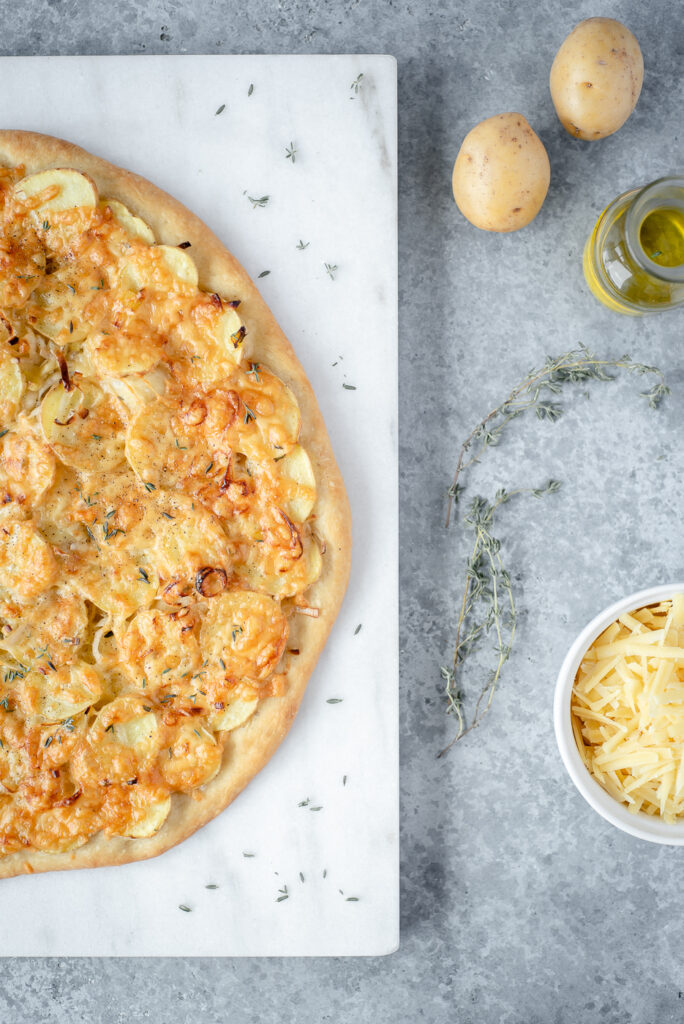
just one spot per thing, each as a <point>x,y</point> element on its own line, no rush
<point>174,531</point>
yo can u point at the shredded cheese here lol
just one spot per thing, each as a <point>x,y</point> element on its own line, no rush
<point>628,709</point>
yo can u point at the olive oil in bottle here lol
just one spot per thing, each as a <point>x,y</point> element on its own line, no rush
<point>662,236</point>
<point>634,258</point>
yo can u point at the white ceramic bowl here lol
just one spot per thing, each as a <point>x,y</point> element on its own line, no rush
<point>643,826</point>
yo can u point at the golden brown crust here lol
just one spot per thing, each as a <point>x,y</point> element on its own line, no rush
<point>249,747</point>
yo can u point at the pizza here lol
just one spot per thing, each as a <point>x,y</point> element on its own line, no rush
<point>174,531</point>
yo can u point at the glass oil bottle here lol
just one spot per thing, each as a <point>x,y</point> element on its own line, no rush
<point>634,257</point>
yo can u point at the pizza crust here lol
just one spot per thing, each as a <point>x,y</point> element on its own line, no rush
<point>248,748</point>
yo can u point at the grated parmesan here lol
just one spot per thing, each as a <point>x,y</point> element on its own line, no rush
<point>628,709</point>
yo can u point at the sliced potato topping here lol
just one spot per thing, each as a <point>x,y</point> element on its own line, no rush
<point>277,419</point>
<point>52,627</point>
<point>57,189</point>
<point>156,510</point>
<point>157,644</point>
<point>27,562</point>
<point>236,711</point>
<point>148,810</point>
<point>187,537</point>
<point>194,757</point>
<point>122,743</point>
<point>83,425</point>
<point>134,227</point>
<point>246,631</point>
<point>54,695</point>
<point>169,440</point>
<point>27,466</point>
<point>297,475</point>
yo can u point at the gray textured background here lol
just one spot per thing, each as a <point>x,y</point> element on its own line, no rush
<point>518,903</point>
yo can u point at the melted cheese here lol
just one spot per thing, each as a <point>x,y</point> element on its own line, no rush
<point>628,709</point>
<point>155,510</point>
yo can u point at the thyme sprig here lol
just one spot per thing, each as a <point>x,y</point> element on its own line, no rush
<point>488,604</point>
<point>535,392</point>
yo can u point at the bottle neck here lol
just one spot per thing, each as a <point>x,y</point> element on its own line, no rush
<point>666,194</point>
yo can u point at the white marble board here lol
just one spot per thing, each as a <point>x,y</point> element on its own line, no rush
<point>158,116</point>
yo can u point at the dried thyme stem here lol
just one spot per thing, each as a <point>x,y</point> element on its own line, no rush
<point>487,580</point>
<point>574,367</point>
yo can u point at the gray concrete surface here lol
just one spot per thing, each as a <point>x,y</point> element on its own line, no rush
<point>520,906</point>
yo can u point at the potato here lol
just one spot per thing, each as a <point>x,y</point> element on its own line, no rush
<point>73,189</point>
<point>128,221</point>
<point>501,175</point>
<point>596,78</point>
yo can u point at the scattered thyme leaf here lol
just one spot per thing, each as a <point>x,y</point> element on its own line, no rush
<point>330,270</point>
<point>349,387</point>
<point>334,700</point>
<point>356,84</point>
<point>262,201</point>
<point>186,910</point>
<point>291,153</point>
<point>264,273</point>
<point>250,90</point>
<point>358,629</point>
<point>220,110</point>
<point>284,894</point>
<point>302,245</point>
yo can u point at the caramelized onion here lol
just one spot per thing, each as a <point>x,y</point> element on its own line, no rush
<point>295,537</point>
<point>63,369</point>
<point>210,581</point>
<point>177,591</point>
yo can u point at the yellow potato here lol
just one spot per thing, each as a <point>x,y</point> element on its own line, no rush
<point>501,175</point>
<point>133,225</point>
<point>596,78</point>
<point>71,189</point>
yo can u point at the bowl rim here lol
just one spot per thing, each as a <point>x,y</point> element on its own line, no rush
<point>640,825</point>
